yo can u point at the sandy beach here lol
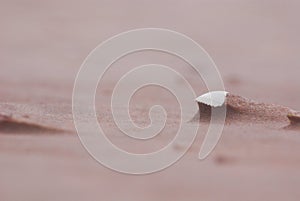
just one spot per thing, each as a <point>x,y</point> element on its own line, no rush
<point>255,45</point>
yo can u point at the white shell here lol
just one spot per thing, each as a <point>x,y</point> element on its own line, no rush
<point>213,98</point>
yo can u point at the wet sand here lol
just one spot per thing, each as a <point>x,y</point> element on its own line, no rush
<point>255,46</point>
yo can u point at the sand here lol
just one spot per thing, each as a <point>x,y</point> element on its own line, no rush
<point>255,46</point>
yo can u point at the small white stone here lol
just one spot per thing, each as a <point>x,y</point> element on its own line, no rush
<point>213,98</point>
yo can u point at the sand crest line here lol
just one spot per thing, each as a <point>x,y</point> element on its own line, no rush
<point>239,109</point>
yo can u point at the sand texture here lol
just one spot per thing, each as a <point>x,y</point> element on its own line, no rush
<point>255,45</point>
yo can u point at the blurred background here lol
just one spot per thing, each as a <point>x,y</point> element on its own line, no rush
<point>252,42</point>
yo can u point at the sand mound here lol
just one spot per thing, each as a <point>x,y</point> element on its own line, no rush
<point>34,118</point>
<point>294,121</point>
<point>240,109</point>
<point>9,124</point>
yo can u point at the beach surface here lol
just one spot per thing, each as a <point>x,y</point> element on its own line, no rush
<point>255,45</point>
